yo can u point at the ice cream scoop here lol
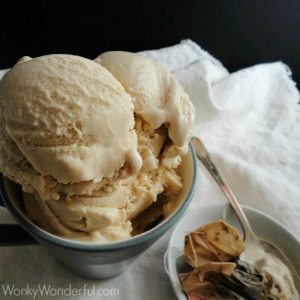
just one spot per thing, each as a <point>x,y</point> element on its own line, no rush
<point>51,107</point>
<point>157,95</point>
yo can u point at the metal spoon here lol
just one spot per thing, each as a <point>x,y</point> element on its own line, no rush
<point>250,237</point>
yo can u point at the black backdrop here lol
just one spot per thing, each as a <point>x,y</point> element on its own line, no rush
<point>238,32</point>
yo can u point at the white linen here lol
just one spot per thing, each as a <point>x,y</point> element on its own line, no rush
<point>249,121</point>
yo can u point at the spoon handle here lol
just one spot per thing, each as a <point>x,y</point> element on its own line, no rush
<point>206,160</point>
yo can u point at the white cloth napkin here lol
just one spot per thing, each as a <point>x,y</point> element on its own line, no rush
<point>249,121</point>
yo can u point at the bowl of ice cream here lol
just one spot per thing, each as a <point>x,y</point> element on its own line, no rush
<point>205,258</point>
<point>101,151</point>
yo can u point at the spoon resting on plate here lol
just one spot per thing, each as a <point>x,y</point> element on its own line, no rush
<point>258,252</point>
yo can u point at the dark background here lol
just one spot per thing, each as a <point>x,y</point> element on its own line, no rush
<point>240,33</point>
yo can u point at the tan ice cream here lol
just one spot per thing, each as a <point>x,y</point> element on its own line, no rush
<point>51,106</point>
<point>156,94</point>
<point>92,149</point>
<point>277,276</point>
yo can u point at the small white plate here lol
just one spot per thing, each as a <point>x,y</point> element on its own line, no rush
<point>263,225</point>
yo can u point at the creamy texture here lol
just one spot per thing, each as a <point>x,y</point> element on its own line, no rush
<point>106,213</point>
<point>69,118</point>
<point>92,145</point>
<point>277,276</point>
<point>157,95</point>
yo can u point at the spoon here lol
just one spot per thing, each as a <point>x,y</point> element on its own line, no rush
<point>253,243</point>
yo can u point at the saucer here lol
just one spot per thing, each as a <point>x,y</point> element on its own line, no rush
<point>263,225</point>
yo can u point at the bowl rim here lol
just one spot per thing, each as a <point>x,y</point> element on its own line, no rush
<point>153,233</point>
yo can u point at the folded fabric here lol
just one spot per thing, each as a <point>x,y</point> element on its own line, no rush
<point>250,122</point>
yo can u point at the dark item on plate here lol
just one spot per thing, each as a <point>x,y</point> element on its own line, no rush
<point>243,283</point>
<point>213,251</point>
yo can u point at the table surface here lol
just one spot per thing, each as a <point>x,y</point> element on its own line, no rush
<point>238,33</point>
